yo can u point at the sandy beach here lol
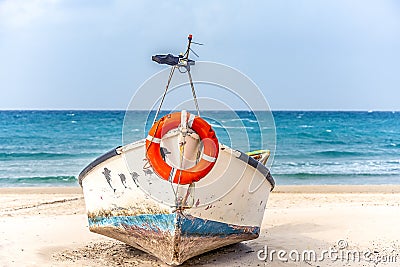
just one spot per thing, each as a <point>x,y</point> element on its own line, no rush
<point>48,227</point>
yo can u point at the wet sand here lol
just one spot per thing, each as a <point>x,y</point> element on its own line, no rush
<point>48,227</point>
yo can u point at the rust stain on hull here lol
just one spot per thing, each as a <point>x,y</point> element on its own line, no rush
<point>173,238</point>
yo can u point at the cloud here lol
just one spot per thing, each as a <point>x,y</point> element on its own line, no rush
<point>19,14</point>
<point>81,47</point>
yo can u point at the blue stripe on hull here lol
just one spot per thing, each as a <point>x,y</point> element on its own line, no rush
<point>188,225</point>
<point>153,222</point>
<point>196,226</point>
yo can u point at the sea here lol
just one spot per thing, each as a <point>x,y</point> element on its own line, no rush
<point>50,148</point>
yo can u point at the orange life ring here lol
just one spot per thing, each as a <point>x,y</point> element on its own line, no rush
<point>164,170</point>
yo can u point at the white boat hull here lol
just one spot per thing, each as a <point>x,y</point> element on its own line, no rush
<point>132,204</point>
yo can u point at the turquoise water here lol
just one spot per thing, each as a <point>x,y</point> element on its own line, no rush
<point>50,148</point>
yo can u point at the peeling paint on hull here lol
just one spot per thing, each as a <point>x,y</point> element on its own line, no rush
<point>135,206</point>
<point>173,238</point>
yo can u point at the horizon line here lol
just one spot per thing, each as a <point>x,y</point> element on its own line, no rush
<point>273,110</point>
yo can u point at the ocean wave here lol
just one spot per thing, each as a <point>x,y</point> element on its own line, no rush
<point>230,127</point>
<point>306,126</point>
<point>313,175</point>
<point>243,119</point>
<point>331,142</point>
<point>392,146</point>
<point>43,155</point>
<point>336,154</point>
<point>40,180</point>
<point>305,135</point>
<point>338,169</point>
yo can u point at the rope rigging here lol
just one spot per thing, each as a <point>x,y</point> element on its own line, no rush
<point>180,62</point>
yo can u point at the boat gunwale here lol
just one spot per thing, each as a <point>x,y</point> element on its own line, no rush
<point>110,154</point>
<point>118,150</point>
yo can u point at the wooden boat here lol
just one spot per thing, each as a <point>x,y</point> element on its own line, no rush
<point>179,192</point>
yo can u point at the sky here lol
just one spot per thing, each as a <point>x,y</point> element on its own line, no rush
<point>303,55</point>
